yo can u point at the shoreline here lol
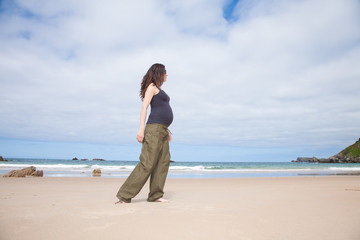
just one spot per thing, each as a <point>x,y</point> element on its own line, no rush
<point>122,169</point>
<point>200,175</point>
<point>304,207</point>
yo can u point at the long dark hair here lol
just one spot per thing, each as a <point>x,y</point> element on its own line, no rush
<point>154,75</point>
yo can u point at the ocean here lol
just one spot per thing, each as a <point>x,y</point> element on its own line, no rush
<point>122,169</point>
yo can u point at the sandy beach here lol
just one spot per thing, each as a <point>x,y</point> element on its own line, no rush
<point>312,207</point>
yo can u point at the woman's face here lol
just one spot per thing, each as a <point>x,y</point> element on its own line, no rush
<point>165,76</point>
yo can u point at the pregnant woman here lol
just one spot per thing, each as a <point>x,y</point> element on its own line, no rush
<point>155,138</point>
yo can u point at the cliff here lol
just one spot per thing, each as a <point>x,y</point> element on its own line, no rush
<point>350,154</point>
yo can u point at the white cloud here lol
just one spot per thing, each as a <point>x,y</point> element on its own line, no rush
<point>284,73</point>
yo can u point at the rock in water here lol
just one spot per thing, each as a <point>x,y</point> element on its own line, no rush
<point>2,159</point>
<point>97,172</point>
<point>98,159</point>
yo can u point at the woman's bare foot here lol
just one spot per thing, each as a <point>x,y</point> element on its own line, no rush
<point>162,200</point>
<point>121,202</point>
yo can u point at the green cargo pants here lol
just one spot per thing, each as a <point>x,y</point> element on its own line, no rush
<point>154,161</point>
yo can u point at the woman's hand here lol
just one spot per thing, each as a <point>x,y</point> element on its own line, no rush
<point>140,136</point>
<point>169,136</point>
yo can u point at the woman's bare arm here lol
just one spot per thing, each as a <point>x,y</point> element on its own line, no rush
<point>149,93</point>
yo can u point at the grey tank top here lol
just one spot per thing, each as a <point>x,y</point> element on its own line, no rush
<point>160,109</point>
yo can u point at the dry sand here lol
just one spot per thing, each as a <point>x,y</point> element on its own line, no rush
<point>244,208</point>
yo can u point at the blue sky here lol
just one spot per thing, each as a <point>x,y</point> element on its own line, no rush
<point>248,80</point>
<point>228,10</point>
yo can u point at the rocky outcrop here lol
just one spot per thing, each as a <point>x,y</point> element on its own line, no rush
<point>309,159</point>
<point>29,171</point>
<point>97,172</point>
<point>37,173</point>
<point>75,158</point>
<point>2,159</point>
<point>350,154</point>
<point>15,173</point>
<point>98,159</point>
<point>339,158</point>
